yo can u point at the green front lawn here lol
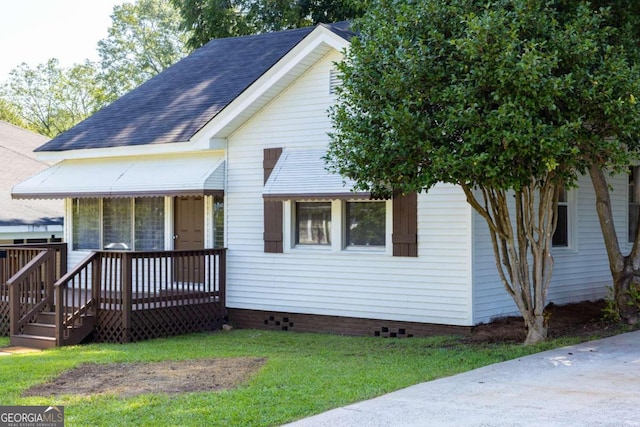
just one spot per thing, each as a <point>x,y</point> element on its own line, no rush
<point>305,374</point>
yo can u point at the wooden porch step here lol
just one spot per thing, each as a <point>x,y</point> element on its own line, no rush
<point>32,341</point>
<point>40,329</point>
<point>46,317</point>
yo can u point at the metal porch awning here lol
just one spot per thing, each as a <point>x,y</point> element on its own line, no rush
<point>302,174</point>
<point>168,175</point>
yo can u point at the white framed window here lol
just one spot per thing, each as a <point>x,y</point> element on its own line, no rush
<point>561,235</point>
<point>365,224</point>
<point>313,223</point>
<point>565,237</point>
<point>338,225</point>
<point>118,223</point>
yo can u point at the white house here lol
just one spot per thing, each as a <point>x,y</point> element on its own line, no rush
<point>224,149</point>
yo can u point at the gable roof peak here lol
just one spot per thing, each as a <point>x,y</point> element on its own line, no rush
<point>175,104</point>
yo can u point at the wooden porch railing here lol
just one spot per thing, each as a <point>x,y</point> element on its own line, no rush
<point>13,258</point>
<point>31,290</point>
<point>127,282</point>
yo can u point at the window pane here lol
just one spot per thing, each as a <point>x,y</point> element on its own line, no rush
<point>116,223</point>
<point>366,223</point>
<point>561,235</point>
<point>218,222</point>
<point>149,221</point>
<point>313,223</point>
<point>86,224</point>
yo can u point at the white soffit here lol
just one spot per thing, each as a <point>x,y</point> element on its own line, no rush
<point>127,177</point>
<point>302,174</point>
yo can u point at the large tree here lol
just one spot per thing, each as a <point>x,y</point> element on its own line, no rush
<point>50,99</point>
<point>209,19</point>
<point>610,138</point>
<point>489,96</point>
<point>144,38</point>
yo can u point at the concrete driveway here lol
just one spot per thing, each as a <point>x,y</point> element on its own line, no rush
<point>592,384</point>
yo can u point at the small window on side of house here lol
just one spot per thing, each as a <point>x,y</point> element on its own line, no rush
<point>561,235</point>
<point>313,223</point>
<point>365,224</point>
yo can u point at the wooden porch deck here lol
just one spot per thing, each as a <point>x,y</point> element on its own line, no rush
<point>124,296</point>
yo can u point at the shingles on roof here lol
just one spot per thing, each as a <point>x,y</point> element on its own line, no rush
<point>17,162</point>
<point>177,103</point>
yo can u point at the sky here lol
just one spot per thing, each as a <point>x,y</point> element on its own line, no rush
<point>33,31</point>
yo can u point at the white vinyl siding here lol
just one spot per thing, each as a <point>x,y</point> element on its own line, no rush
<point>581,272</point>
<point>433,288</point>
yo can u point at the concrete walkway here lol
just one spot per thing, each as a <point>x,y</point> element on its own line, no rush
<point>591,384</point>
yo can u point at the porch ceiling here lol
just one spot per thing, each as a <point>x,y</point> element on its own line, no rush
<point>127,177</point>
<point>302,175</point>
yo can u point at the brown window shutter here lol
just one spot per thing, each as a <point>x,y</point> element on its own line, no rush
<point>405,225</point>
<point>272,209</point>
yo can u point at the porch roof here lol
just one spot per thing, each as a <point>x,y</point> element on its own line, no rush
<point>302,174</point>
<point>127,177</point>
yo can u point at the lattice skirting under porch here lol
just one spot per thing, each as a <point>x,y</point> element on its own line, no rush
<point>4,319</point>
<point>279,321</point>
<point>157,322</point>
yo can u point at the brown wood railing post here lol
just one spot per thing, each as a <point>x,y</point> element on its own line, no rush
<point>14,309</point>
<point>96,283</point>
<point>59,298</point>
<point>50,277</point>
<point>126,285</point>
<point>223,280</point>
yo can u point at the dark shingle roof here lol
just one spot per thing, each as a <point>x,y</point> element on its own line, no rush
<point>175,104</point>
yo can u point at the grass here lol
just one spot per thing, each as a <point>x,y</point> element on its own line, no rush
<point>305,374</point>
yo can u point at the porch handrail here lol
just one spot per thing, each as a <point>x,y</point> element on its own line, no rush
<point>72,302</point>
<point>31,290</point>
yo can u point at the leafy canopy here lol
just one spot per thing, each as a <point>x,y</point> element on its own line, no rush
<point>209,19</point>
<point>492,94</point>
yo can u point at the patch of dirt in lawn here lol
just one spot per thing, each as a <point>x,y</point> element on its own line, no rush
<point>583,319</point>
<point>130,379</point>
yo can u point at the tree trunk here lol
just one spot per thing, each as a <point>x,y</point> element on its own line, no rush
<point>534,216</point>
<point>623,268</point>
<point>536,330</point>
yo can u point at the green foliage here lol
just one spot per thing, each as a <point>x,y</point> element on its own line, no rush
<point>612,307</point>
<point>9,113</point>
<point>488,94</point>
<point>209,19</point>
<point>305,374</point>
<point>610,310</point>
<point>50,99</point>
<point>144,39</point>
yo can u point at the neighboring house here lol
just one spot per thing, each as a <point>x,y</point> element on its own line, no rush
<point>24,221</point>
<point>224,149</point>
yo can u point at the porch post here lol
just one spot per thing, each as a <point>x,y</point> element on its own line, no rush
<point>14,308</point>
<point>96,283</point>
<point>50,277</point>
<point>126,295</point>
